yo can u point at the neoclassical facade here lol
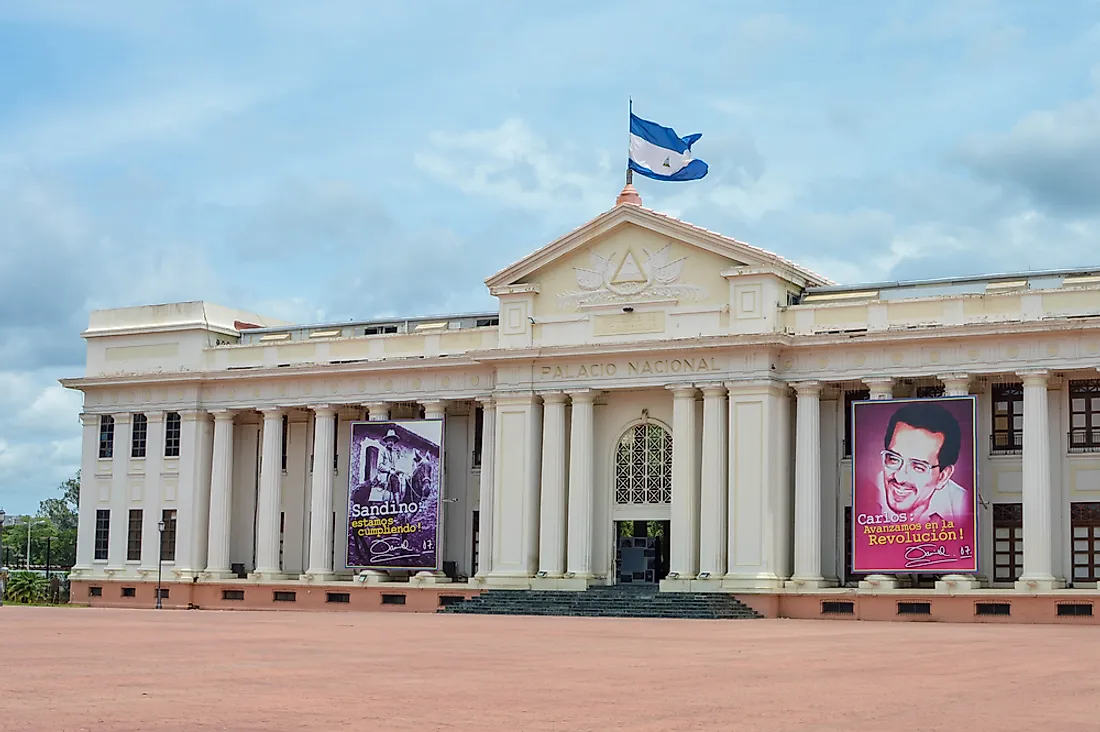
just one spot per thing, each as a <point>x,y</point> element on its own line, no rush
<point>651,402</point>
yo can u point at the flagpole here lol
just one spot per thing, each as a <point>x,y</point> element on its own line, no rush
<point>629,172</point>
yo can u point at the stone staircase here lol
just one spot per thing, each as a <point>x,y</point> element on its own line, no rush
<point>619,601</point>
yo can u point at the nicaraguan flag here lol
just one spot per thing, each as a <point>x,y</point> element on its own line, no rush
<point>658,152</point>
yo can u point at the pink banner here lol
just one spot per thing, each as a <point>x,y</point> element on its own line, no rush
<point>915,483</point>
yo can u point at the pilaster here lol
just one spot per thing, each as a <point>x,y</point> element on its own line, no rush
<point>485,488</point>
<point>807,489</point>
<point>120,492</point>
<point>89,494</point>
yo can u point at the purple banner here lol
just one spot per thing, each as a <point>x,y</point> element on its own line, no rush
<point>914,475</point>
<point>394,485</point>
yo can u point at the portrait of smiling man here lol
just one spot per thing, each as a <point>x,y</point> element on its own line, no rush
<point>920,452</point>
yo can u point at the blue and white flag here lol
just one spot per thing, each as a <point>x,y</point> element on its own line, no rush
<point>658,152</point>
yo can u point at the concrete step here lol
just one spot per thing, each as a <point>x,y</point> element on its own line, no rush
<point>618,602</point>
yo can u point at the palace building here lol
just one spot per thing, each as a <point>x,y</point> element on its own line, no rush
<point>651,402</point>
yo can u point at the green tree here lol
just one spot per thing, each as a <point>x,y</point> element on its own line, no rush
<point>26,587</point>
<point>62,514</point>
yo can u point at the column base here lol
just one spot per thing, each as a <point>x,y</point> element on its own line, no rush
<point>675,584</point>
<point>508,581</point>
<point>880,582</point>
<point>1040,584</point>
<point>213,575</point>
<point>710,583</point>
<point>951,583</point>
<point>809,583</point>
<point>423,579</point>
<point>574,583</point>
<point>267,575</point>
<point>760,581</point>
<point>315,577</point>
<point>374,577</point>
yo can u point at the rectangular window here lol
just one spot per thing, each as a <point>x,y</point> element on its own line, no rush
<point>133,536</point>
<point>1084,415</point>
<point>379,329</point>
<point>1008,541</point>
<point>1008,419</point>
<point>102,532</point>
<point>479,435</point>
<point>129,592</point>
<point>168,536</point>
<point>487,322</point>
<point>139,435</point>
<point>850,397</point>
<point>1085,525</point>
<point>286,423</point>
<point>172,429</point>
<point>106,436</point>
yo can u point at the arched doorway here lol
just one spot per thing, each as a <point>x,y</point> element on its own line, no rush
<point>643,495</point>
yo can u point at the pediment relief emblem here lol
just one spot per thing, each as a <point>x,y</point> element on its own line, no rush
<point>629,278</point>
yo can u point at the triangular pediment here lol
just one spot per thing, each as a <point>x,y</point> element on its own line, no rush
<point>646,246</point>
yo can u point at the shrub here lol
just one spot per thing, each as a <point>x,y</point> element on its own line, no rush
<point>25,588</point>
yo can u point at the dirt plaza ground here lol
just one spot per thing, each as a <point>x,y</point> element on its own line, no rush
<point>105,669</point>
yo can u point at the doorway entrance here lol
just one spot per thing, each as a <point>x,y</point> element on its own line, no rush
<point>641,552</point>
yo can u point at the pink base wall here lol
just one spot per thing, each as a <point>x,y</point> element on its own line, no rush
<point>209,596</point>
<point>942,608</point>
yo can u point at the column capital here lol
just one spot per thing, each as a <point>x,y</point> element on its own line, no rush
<point>325,410</point>
<point>714,390</point>
<point>881,387</point>
<point>957,384</point>
<point>582,396</point>
<point>154,417</point>
<point>376,405</point>
<point>553,397</point>
<point>682,391</point>
<point>89,419</point>
<point>486,401</point>
<point>1034,377</point>
<point>224,415</point>
<point>192,415</point>
<point>272,412</point>
<point>807,388</point>
<point>123,417</point>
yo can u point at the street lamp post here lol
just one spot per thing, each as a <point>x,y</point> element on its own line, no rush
<point>29,525</point>
<point>160,558</point>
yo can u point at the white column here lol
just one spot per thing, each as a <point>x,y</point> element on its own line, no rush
<point>270,500</point>
<point>581,486</point>
<point>1038,574</point>
<point>437,409</point>
<point>516,488</point>
<point>320,519</point>
<point>485,498</point>
<point>153,498</point>
<point>807,488</point>
<point>553,501</point>
<point>880,388</point>
<point>684,541</point>
<point>714,485</point>
<point>221,498</point>
<point>958,385</point>
<point>89,495</point>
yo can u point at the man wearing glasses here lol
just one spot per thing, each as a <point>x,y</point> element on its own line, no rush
<point>922,445</point>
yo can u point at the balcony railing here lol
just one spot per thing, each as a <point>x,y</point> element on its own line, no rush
<point>1084,440</point>
<point>1006,443</point>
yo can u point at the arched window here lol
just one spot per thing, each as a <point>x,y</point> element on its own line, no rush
<point>643,465</point>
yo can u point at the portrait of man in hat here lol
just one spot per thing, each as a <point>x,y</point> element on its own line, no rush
<point>386,481</point>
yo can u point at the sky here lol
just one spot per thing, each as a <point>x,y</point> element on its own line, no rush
<point>341,159</point>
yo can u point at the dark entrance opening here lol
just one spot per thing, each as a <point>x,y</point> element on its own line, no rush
<point>641,552</point>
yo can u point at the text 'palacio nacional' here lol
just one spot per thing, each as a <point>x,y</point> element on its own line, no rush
<point>651,403</point>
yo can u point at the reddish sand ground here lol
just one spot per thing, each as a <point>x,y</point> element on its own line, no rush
<point>73,669</point>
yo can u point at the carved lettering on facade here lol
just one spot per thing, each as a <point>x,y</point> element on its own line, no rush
<point>645,367</point>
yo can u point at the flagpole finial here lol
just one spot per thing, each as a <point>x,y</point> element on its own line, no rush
<point>629,194</point>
